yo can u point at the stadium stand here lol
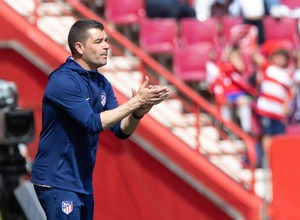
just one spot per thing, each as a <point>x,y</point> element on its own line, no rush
<point>158,35</point>
<point>224,145</point>
<point>193,31</point>
<point>226,23</point>
<point>274,26</point>
<point>292,4</point>
<point>124,12</point>
<point>189,63</point>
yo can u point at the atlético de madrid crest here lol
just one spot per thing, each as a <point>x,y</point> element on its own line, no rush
<point>67,207</point>
<point>103,99</point>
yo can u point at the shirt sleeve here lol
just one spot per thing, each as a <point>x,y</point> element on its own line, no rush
<point>65,91</point>
<point>111,104</point>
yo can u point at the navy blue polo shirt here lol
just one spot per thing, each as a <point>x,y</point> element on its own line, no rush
<point>71,124</point>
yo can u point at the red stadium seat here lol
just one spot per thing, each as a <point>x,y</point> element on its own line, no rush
<point>189,63</point>
<point>292,4</point>
<point>158,35</point>
<point>125,11</point>
<point>226,24</point>
<point>194,31</point>
<point>284,28</point>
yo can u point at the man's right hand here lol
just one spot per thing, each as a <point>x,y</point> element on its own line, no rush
<point>149,95</point>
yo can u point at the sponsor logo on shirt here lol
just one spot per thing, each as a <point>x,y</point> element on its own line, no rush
<point>67,207</point>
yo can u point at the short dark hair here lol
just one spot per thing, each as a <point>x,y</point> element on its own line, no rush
<point>78,31</point>
<point>282,52</point>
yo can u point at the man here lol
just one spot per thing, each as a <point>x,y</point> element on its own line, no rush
<point>78,104</point>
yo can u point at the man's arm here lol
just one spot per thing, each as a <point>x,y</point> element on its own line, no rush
<point>145,96</point>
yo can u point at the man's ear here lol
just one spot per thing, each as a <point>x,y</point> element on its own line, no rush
<point>79,47</point>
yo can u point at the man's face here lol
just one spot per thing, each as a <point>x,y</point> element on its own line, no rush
<point>95,49</point>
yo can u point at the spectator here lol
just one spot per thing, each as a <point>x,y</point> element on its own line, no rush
<point>253,12</point>
<point>168,9</point>
<point>269,4</point>
<point>275,90</point>
<point>226,83</point>
<point>203,9</point>
<point>220,8</point>
<point>209,8</point>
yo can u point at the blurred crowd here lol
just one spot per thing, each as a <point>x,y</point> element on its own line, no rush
<point>254,81</point>
<point>271,105</point>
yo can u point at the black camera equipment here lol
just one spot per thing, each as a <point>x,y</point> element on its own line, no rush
<point>16,127</point>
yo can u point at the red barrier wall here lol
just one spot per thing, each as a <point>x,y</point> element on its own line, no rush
<point>133,185</point>
<point>285,163</point>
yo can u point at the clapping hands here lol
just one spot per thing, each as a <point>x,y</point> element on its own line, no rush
<point>148,96</point>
